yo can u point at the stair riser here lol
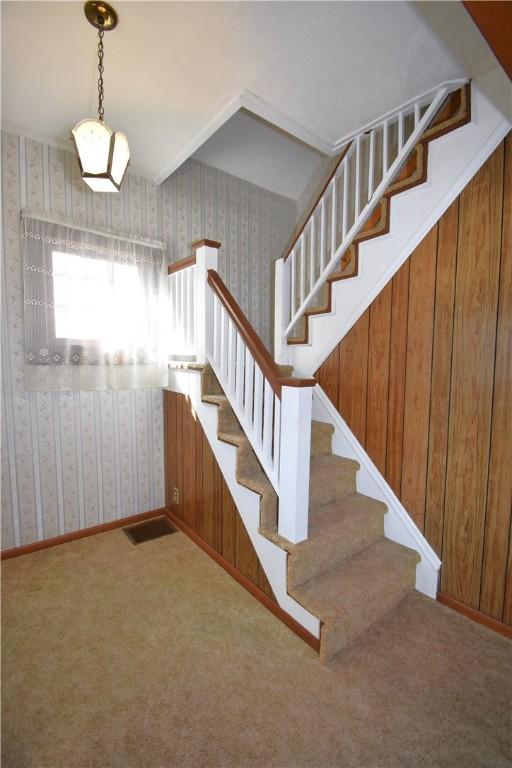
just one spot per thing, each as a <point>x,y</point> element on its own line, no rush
<point>339,484</point>
<point>319,556</point>
<point>321,440</point>
<point>337,635</point>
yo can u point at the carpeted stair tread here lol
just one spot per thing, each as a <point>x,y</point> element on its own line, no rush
<point>354,594</point>
<point>214,399</point>
<point>337,531</point>
<point>331,478</point>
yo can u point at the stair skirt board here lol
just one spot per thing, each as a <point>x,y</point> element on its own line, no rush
<point>453,159</point>
<point>398,525</point>
<point>272,557</point>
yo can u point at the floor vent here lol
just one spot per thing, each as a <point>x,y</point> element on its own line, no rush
<point>149,529</point>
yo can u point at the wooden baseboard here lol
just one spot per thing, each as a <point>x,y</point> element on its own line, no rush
<point>471,613</point>
<point>53,542</point>
<point>307,637</point>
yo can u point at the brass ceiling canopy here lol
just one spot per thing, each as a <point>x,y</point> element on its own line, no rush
<point>101,15</point>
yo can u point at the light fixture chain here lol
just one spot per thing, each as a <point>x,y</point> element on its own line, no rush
<point>101,93</point>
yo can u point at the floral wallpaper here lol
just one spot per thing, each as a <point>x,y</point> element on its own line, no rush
<point>252,225</point>
<point>71,460</point>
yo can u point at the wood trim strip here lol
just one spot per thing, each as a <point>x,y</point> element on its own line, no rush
<point>182,264</point>
<point>81,534</point>
<point>210,243</point>
<point>329,179</point>
<point>494,20</point>
<point>251,339</point>
<point>477,616</point>
<point>298,629</point>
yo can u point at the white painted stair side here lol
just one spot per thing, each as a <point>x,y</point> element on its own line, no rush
<point>398,525</point>
<point>272,557</point>
<point>453,160</point>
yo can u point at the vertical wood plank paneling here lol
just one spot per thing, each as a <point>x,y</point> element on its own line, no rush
<point>422,276</point>
<point>499,492</point>
<point>199,477</point>
<point>229,526</point>
<point>474,336</point>
<point>215,517</point>
<point>353,377</point>
<point>378,377</point>
<point>246,557</point>
<point>397,360</point>
<point>328,375</point>
<point>448,429</point>
<point>188,452</point>
<point>441,372</point>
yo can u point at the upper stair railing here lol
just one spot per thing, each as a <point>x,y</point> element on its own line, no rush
<point>371,160</point>
<point>274,411</point>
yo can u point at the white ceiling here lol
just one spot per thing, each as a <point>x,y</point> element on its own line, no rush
<point>174,70</point>
<point>251,149</point>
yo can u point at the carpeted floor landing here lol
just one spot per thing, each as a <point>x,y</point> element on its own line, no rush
<point>152,656</point>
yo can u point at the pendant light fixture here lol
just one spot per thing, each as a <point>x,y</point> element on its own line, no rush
<point>103,155</point>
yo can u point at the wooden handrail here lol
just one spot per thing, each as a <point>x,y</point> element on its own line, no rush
<point>319,197</point>
<point>262,356</point>
<point>182,264</point>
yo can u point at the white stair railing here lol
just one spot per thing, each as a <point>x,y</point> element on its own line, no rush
<point>207,325</point>
<point>372,159</point>
<point>182,300</point>
<point>274,411</point>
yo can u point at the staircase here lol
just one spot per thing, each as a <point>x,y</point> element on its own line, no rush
<point>345,572</point>
<point>454,113</point>
<point>338,549</point>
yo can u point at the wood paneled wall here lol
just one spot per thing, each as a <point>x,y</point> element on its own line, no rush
<point>424,381</point>
<point>205,503</point>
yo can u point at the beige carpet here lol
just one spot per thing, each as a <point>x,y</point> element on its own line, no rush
<point>115,655</point>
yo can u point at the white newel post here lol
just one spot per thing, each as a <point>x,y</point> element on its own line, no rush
<point>206,258</point>
<point>281,310</point>
<point>296,405</point>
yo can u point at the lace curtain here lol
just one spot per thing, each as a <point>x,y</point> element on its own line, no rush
<point>95,309</point>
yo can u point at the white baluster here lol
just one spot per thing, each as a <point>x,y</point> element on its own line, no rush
<point>302,269</point>
<point>190,310</point>
<point>282,309</point>
<point>223,358</point>
<point>216,329</point>
<point>258,405</point>
<point>231,372</point>
<point>293,305</point>
<point>333,218</point>
<point>384,148</point>
<point>268,413</point>
<point>357,192</point>
<point>345,198</point>
<point>312,252</point>
<point>240,369</point>
<point>277,434</point>
<point>400,131</point>
<point>371,161</point>
<point>416,114</point>
<point>249,388</point>
<point>322,234</point>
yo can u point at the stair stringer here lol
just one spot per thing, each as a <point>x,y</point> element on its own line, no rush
<point>453,160</point>
<point>398,525</point>
<point>273,559</point>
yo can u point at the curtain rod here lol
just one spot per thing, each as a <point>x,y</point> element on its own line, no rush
<point>50,219</point>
